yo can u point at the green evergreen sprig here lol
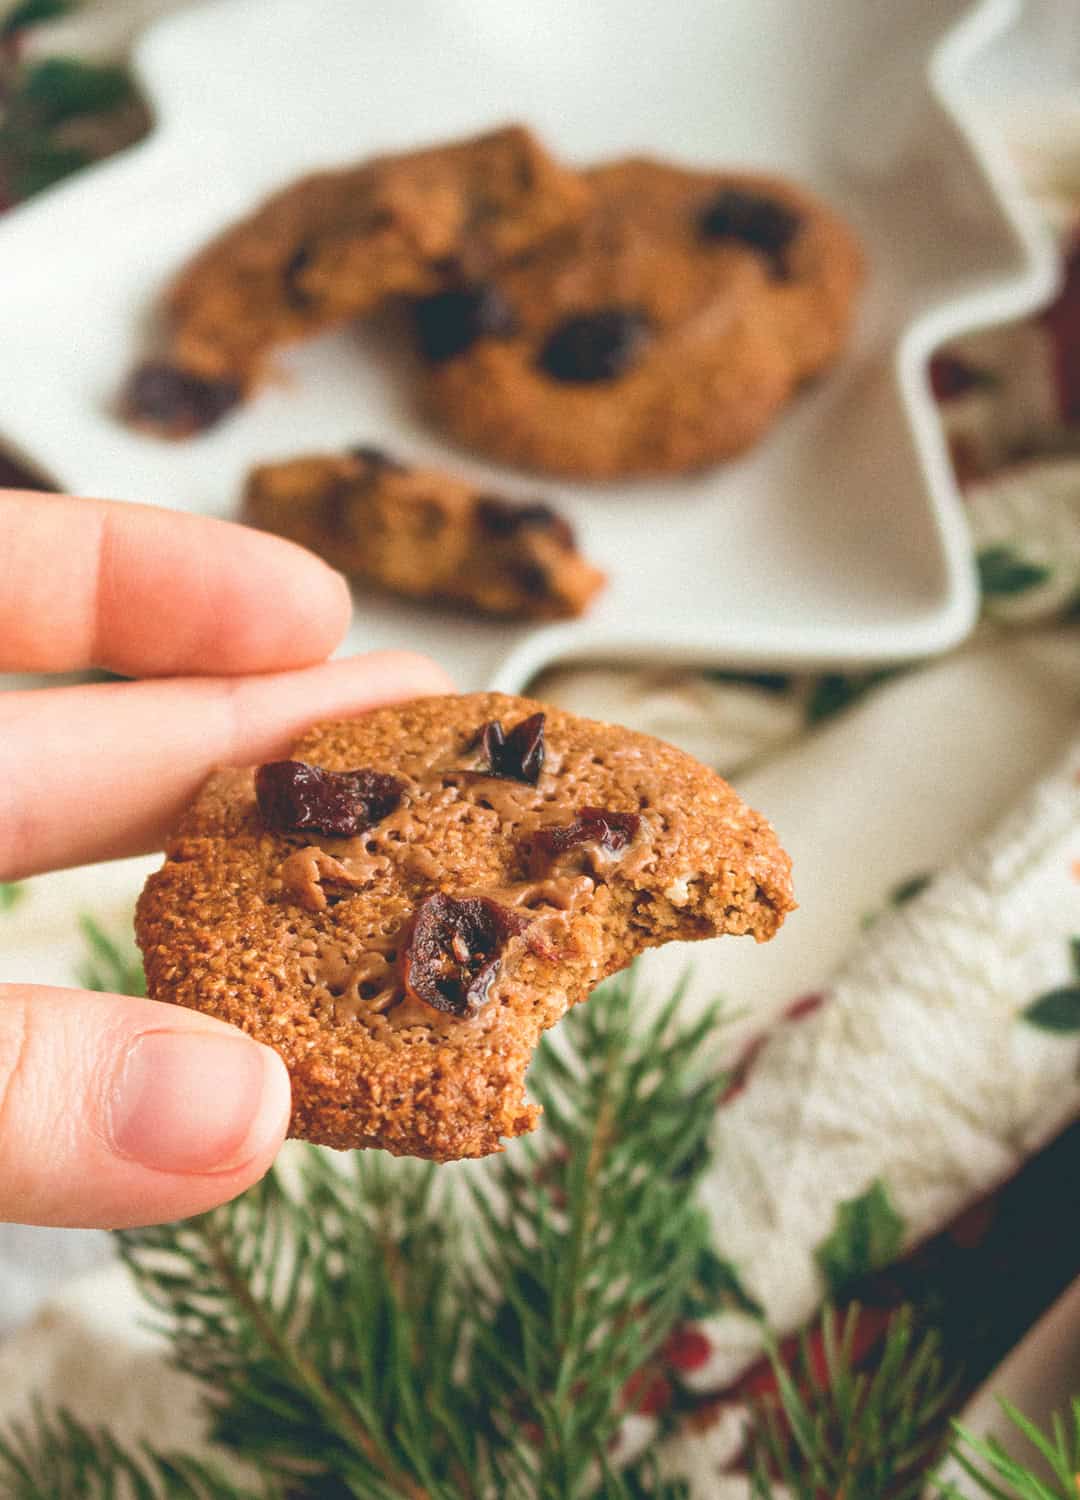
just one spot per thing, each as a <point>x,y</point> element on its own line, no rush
<point>1059,1448</point>
<point>860,1434</point>
<point>377,1328</point>
<point>592,1252</point>
<point>55,1457</point>
<point>12,892</point>
<point>385,1330</point>
<point>111,966</point>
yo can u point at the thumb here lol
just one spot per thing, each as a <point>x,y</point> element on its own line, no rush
<point>116,1112</point>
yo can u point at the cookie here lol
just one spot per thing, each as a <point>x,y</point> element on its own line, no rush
<point>332,247</point>
<point>663,332</point>
<point>405,905</point>
<point>425,534</point>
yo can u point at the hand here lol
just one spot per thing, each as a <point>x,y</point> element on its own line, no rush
<point>116,1111</point>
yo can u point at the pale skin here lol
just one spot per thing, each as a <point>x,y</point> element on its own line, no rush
<point>116,1111</point>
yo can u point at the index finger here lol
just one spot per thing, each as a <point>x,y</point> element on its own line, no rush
<point>148,593</point>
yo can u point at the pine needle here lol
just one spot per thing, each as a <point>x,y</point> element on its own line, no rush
<point>840,1431</point>
<point>107,965</point>
<point>55,1457</point>
<point>1057,1478</point>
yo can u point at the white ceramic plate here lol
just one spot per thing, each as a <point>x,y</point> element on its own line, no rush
<point>840,538</point>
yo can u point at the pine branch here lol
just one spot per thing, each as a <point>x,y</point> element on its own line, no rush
<point>310,1347</point>
<point>107,965</point>
<point>1060,1450</point>
<point>11,893</point>
<point>52,1457</point>
<point>842,1432</point>
<point>643,1481</point>
<point>346,1342</point>
<point>593,1251</point>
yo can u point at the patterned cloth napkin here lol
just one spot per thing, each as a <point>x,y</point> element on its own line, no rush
<point>915,1033</point>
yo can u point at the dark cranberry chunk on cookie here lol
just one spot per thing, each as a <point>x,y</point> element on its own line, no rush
<point>519,755</point>
<point>296,294</point>
<point>455,949</point>
<point>596,346</point>
<point>177,401</point>
<point>533,579</point>
<point>610,831</point>
<point>762,223</point>
<point>505,518</point>
<point>376,460</point>
<point>450,322</point>
<point>294,797</point>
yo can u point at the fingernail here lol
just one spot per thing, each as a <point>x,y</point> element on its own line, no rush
<point>196,1101</point>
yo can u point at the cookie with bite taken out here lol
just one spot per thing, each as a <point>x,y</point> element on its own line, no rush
<point>404,905</point>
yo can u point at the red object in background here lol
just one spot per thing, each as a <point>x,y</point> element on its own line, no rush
<point>805,1006</point>
<point>798,1010</point>
<point>685,1349</point>
<point>740,1073</point>
<point>967,461</point>
<point>951,377</point>
<point>1062,320</point>
<point>760,1380</point>
<point>647,1393</point>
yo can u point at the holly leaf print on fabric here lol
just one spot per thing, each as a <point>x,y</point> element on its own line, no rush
<point>1058,1009</point>
<point>1003,572</point>
<point>867,1235</point>
<point>833,692</point>
<point>718,1288</point>
<point>908,889</point>
<point>60,88</point>
<point>32,13</point>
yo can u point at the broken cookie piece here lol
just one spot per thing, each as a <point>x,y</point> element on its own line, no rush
<point>405,965</point>
<point>336,245</point>
<point>425,534</point>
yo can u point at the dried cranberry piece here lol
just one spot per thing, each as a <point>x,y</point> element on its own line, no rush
<point>177,400</point>
<point>612,831</point>
<point>450,322</point>
<point>596,346</point>
<point>519,755</point>
<point>335,506</point>
<point>532,579</point>
<point>1062,322</point>
<point>454,951</point>
<point>505,518</point>
<point>296,294</point>
<point>951,378</point>
<point>376,460</point>
<point>294,796</point>
<point>762,223</point>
